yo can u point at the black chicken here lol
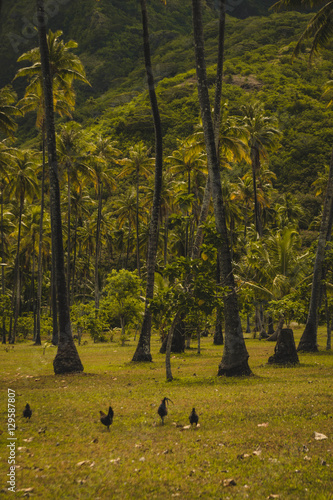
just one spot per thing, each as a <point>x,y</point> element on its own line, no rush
<point>107,419</point>
<point>27,412</point>
<point>194,419</point>
<point>162,409</point>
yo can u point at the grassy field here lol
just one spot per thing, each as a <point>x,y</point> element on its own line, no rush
<point>256,437</point>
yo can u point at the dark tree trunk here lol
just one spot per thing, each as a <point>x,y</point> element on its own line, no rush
<point>98,231</point>
<point>178,337</point>
<point>285,350</point>
<point>67,358</point>
<point>218,335</point>
<point>235,356</point>
<point>308,342</point>
<point>142,352</point>
<point>40,249</point>
<point>137,223</point>
<point>274,336</point>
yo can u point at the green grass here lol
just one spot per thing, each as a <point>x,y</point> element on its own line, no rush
<point>65,452</point>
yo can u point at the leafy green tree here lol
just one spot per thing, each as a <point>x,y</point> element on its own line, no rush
<point>122,301</point>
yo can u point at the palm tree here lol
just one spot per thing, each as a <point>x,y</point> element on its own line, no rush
<point>235,355</point>
<point>190,161</point>
<point>67,358</point>
<point>142,352</point>
<point>138,164</point>
<point>23,187</point>
<point>7,109</point>
<point>69,148</point>
<point>263,134</point>
<point>102,174</point>
<point>320,29</point>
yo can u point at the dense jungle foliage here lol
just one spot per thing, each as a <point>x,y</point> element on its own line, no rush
<point>106,150</point>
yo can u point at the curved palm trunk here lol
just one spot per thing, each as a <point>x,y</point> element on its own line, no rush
<point>67,358</point>
<point>142,352</point>
<point>235,356</point>
<point>308,341</point>
<point>217,120</point>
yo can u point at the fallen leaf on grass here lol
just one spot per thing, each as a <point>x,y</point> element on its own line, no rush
<point>83,462</point>
<point>28,440</point>
<point>265,424</point>
<point>115,460</point>
<point>25,490</point>
<point>319,437</point>
<point>307,458</point>
<point>273,496</point>
<point>229,482</point>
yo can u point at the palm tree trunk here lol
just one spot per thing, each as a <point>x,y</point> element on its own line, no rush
<point>255,167</point>
<point>142,352</point>
<point>40,248</point>
<point>235,356</point>
<point>137,223</point>
<point>68,235</point>
<point>67,358</point>
<point>17,287</point>
<point>98,231</point>
<point>308,341</point>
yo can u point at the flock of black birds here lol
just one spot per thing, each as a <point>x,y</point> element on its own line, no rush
<point>107,418</point>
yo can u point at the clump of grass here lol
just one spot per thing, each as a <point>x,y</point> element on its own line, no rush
<point>258,431</point>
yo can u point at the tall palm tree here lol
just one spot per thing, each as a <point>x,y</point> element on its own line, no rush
<point>320,29</point>
<point>67,358</point>
<point>138,164</point>
<point>102,174</point>
<point>235,355</point>
<point>142,352</point>
<point>263,134</point>
<point>71,158</point>
<point>23,187</point>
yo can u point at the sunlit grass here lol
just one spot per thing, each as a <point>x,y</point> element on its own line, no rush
<point>258,431</point>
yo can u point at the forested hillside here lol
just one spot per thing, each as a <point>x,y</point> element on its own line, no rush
<point>106,150</point>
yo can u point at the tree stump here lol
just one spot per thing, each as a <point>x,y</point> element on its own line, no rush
<point>285,349</point>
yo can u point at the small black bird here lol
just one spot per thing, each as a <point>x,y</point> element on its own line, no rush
<point>194,419</point>
<point>27,412</point>
<point>162,409</point>
<point>107,419</point>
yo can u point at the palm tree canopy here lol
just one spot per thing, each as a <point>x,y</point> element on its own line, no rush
<point>7,109</point>
<point>320,27</point>
<point>65,67</point>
